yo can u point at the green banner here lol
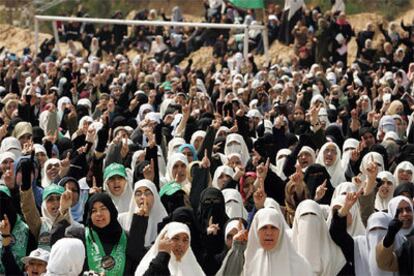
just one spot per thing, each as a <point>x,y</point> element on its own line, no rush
<point>248,4</point>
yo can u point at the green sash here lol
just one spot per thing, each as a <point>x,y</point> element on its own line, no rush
<point>112,265</point>
<point>20,237</point>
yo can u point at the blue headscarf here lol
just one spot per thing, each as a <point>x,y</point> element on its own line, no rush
<point>190,147</point>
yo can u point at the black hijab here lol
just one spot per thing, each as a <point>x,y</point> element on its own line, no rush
<point>211,205</point>
<point>314,176</point>
<point>7,208</point>
<point>111,233</point>
<point>404,189</point>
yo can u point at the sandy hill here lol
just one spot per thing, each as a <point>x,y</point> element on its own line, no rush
<point>16,39</point>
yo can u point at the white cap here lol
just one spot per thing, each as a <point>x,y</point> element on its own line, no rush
<point>38,254</point>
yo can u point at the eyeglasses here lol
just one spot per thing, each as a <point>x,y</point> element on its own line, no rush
<point>145,193</point>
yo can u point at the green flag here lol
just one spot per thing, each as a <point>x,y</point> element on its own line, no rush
<point>248,4</point>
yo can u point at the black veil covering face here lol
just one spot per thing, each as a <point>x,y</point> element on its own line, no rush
<point>174,201</point>
<point>211,205</point>
<point>314,176</point>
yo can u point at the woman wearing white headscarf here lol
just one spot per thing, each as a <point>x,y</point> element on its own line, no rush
<point>178,259</point>
<point>50,171</point>
<point>385,191</point>
<point>312,240</point>
<point>145,189</point>
<point>369,157</point>
<point>330,157</point>
<point>221,176</point>
<point>349,145</point>
<point>269,251</point>
<point>143,110</point>
<point>365,245</point>
<point>395,204</point>
<point>403,173</point>
<point>355,226</point>
<point>197,139</point>
<point>118,185</point>
<point>66,258</point>
<point>177,171</point>
<point>236,144</point>
<point>281,157</point>
<point>234,204</point>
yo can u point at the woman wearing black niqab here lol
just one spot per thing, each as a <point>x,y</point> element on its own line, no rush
<point>314,176</point>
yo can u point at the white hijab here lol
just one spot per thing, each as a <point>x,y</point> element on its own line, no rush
<point>46,181</point>
<point>280,162</point>
<point>281,260</point>
<point>218,172</point>
<point>357,227</point>
<point>378,159</point>
<point>238,147</point>
<point>234,204</point>
<point>188,264</point>
<point>365,245</point>
<point>343,188</point>
<point>336,171</point>
<point>174,158</point>
<point>347,148</point>
<point>174,144</point>
<point>293,6</point>
<point>121,202</point>
<point>312,240</point>
<point>156,215</point>
<point>66,258</point>
<point>382,203</point>
<point>392,210</point>
<point>405,165</point>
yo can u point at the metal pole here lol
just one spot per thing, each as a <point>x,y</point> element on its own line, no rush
<point>246,43</point>
<point>56,34</point>
<point>36,38</point>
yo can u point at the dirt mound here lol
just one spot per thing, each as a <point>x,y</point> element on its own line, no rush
<point>16,39</point>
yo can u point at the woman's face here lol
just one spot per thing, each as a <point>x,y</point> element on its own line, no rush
<point>143,193</point>
<point>100,216</point>
<point>385,189</point>
<point>298,115</point>
<point>180,245</point>
<point>198,141</point>
<point>268,236</point>
<point>188,153</point>
<point>116,185</point>
<point>248,184</point>
<point>229,237</point>
<point>11,108</point>
<point>179,171</point>
<point>404,175</point>
<point>41,157</point>
<point>329,155</point>
<point>6,165</point>
<point>234,161</point>
<point>71,186</point>
<point>222,180</point>
<point>52,204</point>
<point>52,170</point>
<point>24,139</point>
<point>305,159</point>
<point>405,214</point>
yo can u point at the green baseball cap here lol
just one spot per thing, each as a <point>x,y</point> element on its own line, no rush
<point>5,189</point>
<point>114,169</point>
<point>166,85</point>
<point>52,189</point>
<point>170,189</point>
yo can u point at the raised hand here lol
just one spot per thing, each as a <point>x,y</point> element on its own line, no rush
<point>212,228</point>
<point>242,233</point>
<point>259,197</point>
<point>148,171</point>
<point>262,169</point>
<point>5,227</point>
<point>320,191</point>
<point>65,163</point>
<point>165,244</point>
<point>66,200</point>
<point>205,162</point>
<point>143,209</point>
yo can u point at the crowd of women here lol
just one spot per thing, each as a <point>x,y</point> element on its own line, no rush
<point>139,167</point>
